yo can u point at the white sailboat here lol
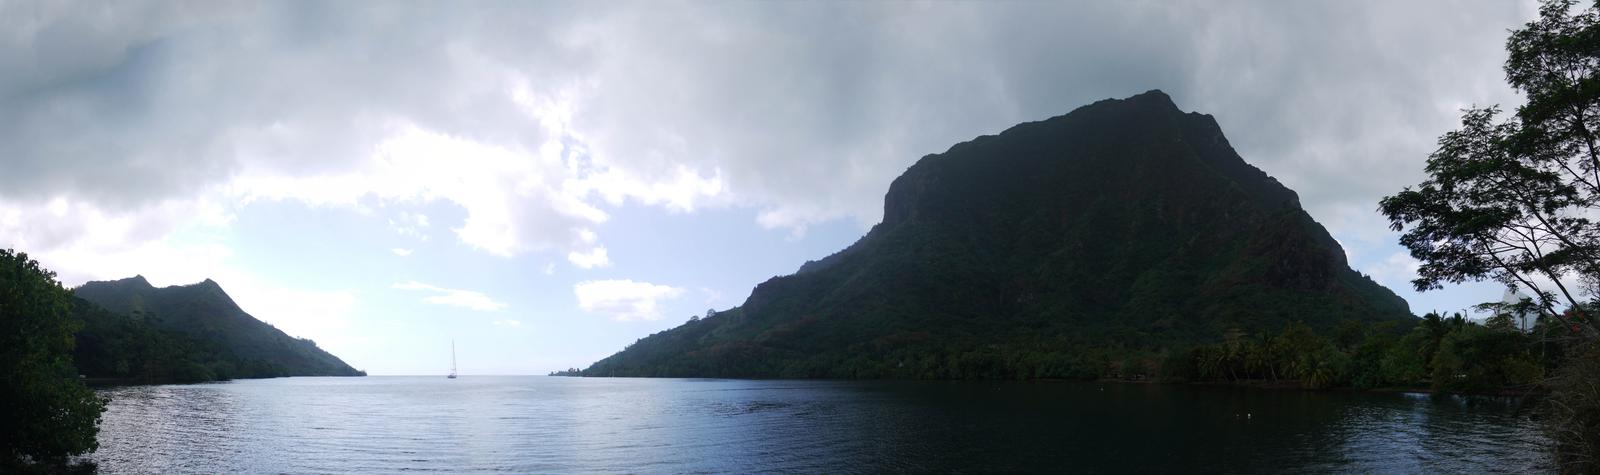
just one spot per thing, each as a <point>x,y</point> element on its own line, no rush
<point>452,360</point>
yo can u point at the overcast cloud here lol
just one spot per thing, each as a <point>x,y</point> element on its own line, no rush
<point>132,119</point>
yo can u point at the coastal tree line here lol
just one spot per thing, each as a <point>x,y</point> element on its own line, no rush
<point>1449,354</point>
<point>1437,352</point>
<point>50,341</point>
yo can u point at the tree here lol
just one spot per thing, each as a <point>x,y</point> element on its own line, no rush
<point>1295,343</point>
<point>1323,367</point>
<point>48,412</point>
<point>1406,363</point>
<point>1511,200</point>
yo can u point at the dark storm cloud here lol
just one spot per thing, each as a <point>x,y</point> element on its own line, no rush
<point>805,110</point>
<point>160,109</point>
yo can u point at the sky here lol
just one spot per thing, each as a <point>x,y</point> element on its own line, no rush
<point>544,183</point>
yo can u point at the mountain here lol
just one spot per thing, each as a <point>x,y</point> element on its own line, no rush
<point>186,333</point>
<point>1125,227</point>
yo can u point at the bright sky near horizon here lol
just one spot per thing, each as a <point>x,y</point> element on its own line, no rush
<point>546,182</point>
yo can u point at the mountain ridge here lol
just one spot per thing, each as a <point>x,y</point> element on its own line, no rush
<point>202,315</point>
<point>1124,226</point>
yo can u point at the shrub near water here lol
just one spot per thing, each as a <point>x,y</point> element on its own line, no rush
<point>1574,413</point>
<point>48,414</point>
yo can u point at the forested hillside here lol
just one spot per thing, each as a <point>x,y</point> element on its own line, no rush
<point>1049,250</point>
<point>135,331</point>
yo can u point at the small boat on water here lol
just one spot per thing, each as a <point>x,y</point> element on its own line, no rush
<point>452,360</point>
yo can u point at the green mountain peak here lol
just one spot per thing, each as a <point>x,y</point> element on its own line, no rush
<point>1124,225</point>
<point>200,317</point>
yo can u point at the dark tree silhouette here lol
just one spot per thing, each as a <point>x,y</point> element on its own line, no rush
<point>48,414</point>
<point>1511,199</point>
<point>1514,200</point>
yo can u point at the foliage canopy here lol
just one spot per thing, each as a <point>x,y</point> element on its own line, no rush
<point>1514,199</point>
<point>48,413</point>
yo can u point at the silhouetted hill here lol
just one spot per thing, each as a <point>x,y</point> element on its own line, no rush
<point>1125,226</point>
<point>186,332</point>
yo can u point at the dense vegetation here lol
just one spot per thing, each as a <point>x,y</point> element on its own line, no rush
<point>50,339</point>
<point>1449,354</point>
<point>1446,354</point>
<point>1514,200</point>
<point>47,412</point>
<point>1126,226</point>
<point>186,334</point>
<point>135,348</point>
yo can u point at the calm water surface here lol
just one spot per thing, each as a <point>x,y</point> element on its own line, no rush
<point>552,425</point>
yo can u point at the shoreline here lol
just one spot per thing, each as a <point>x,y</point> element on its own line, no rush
<point>1296,386</point>
<point>103,382</point>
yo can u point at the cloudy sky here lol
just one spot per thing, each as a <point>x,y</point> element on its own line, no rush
<point>546,182</point>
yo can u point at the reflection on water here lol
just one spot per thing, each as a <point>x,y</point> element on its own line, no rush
<point>544,424</point>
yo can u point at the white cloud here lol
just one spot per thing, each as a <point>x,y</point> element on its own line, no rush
<point>323,316</point>
<point>159,261</point>
<point>514,198</point>
<point>410,224</point>
<point>772,106</point>
<point>712,295</point>
<point>454,297</point>
<point>402,252</point>
<point>529,117</point>
<point>82,242</point>
<point>1396,271</point>
<point>624,300</point>
<point>588,260</point>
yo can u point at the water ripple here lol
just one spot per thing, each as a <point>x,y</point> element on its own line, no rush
<point>547,425</point>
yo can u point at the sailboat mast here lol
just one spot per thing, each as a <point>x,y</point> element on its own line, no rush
<point>452,359</point>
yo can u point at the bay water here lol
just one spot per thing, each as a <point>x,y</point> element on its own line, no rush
<point>537,424</point>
